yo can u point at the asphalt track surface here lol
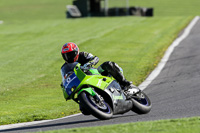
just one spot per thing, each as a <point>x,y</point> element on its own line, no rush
<point>175,93</point>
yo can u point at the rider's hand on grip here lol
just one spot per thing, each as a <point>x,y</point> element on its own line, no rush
<point>86,66</point>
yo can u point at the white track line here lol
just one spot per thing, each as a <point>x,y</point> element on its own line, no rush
<point>142,86</point>
<point>4,127</point>
<point>169,51</point>
<point>1,22</point>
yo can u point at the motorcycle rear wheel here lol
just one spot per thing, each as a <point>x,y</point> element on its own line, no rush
<point>141,103</point>
<point>100,110</point>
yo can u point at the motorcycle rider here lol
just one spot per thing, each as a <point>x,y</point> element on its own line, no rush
<point>72,56</point>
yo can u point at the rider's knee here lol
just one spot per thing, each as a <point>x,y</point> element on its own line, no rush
<point>107,66</point>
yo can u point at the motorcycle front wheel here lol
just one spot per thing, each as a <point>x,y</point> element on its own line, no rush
<point>141,103</point>
<point>99,109</point>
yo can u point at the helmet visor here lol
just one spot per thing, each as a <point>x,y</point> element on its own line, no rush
<point>69,57</point>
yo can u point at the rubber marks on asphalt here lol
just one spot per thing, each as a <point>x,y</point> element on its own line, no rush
<point>169,51</point>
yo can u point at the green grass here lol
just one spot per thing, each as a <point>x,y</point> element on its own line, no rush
<point>186,125</point>
<point>30,41</point>
<point>25,10</point>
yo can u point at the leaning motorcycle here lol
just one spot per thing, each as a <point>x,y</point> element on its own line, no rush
<point>101,96</point>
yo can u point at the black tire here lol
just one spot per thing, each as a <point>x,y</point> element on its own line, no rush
<point>103,113</point>
<point>84,111</point>
<point>141,105</point>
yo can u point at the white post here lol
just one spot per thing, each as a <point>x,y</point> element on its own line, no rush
<point>106,7</point>
<point>127,7</point>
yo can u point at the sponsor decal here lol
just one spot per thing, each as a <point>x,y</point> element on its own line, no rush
<point>66,49</point>
<point>117,97</point>
<point>99,83</point>
<point>71,83</point>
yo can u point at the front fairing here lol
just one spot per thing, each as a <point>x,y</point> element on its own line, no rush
<point>74,81</point>
<point>93,79</point>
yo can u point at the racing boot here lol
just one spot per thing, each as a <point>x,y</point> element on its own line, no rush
<point>127,86</point>
<point>130,89</point>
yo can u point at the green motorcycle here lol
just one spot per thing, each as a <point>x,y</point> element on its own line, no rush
<point>101,96</point>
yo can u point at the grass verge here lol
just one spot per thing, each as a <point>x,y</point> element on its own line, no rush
<point>185,125</point>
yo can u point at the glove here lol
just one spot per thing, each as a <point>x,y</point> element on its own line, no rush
<point>86,66</point>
